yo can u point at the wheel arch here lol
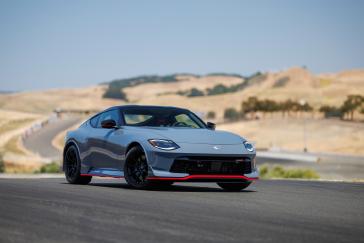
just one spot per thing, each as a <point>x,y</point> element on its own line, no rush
<point>133,144</point>
<point>68,144</point>
<point>141,145</point>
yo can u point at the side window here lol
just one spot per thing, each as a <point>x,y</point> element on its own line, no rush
<point>94,120</point>
<point>113,114</point>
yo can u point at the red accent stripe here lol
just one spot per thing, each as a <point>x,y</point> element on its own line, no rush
<point>102,175</point>
<point>203,177</point>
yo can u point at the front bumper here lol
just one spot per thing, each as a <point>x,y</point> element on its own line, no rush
<point>204,178</point>
<point>160,163</point>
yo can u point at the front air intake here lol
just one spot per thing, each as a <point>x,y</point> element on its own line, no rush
<point>207,165</point>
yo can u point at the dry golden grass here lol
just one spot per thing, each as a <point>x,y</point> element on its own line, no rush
<point>140,92</point>
<point>301,85</point>
<point>21,168</point>
<point>323,135</point>
<point>58,140</point>
<point>46,101</point>
<point>14,146</point>
<point>14,124</point>
<point>330,89</point>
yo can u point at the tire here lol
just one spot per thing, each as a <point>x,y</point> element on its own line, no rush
<point>72,167</point>
<point>234,186</point>
<point>136,169</point>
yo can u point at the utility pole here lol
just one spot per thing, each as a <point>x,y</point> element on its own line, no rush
<point>302,103</point>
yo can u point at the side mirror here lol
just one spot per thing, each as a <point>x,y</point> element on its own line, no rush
<point>211,125</point>
<point>108,124</point>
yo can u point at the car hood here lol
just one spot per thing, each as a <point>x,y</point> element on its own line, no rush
<point>190,135</point>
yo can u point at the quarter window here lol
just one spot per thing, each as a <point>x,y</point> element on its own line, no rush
<point>113,114</point>
<point>94,121</point>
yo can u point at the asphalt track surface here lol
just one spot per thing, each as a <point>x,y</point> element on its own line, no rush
<point>49,210</point>
<point>40,142</point>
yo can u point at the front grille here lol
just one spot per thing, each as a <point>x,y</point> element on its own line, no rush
<point>202,165</point>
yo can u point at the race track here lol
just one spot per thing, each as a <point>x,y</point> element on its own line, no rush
<point>40,142</point>
<point>49,210</point>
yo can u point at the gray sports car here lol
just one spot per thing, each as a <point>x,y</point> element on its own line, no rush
<point>156,145</point>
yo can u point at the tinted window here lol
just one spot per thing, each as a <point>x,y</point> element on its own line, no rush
<point>132,119</point>
<point>94,121</point>
<point>186,120</point>
<point>161,117</point>
<point>113,114</point>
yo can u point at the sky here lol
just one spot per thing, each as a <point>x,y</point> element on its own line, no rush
<point>58,44</point>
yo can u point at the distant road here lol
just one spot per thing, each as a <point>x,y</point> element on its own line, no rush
<point>49,210</point>
<point>41,141</point>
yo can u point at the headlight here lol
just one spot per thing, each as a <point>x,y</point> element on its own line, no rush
<point>249,146</point>
<point>163,144</point>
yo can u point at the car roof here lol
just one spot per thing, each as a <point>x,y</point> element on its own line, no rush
<point>122,107</point>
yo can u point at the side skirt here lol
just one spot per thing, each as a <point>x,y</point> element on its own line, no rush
<point>104,172</point>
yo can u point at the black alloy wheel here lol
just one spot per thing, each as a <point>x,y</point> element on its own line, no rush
<point>136,171</point>
<point>72,167</point>
<point>136,168</point>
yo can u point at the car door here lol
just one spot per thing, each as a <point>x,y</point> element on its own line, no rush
<point>94,142</point>
<point>97,153</point>
<point>109,152</point>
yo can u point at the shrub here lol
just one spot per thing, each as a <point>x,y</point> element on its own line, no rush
<point>231,114</point>
<point>281,82</point>
<point>263,171</point>
<point>2,166</point>
<point>53,167</point>
<point>331,111</point>
<point>211,115</point>
<point>115,91</point>
<point>225,74</point>
<point>218,89</point>
<point>280,172</point>
<point>195,92</point>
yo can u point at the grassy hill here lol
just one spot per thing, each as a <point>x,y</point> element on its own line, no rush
<point>217,92</point>
<point>295,83</point>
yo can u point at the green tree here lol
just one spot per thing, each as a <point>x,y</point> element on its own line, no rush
<point>267,105</point>
<point>195,92</point>
<point>352,103</point>
<point>115,92</point>
<point>306,107</point>
<point>287,106</point>
<point>251,105</point>
<point>231,114</point>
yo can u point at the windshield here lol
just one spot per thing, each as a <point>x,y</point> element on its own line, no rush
<point>161,117</point>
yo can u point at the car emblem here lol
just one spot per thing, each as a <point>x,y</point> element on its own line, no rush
<point>216,147</point>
